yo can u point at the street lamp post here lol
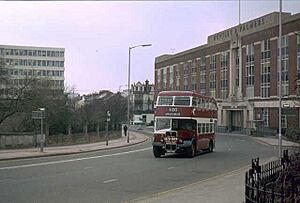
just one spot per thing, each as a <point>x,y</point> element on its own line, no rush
<point>280,85</point>
<point>128,85</point>
<point>42,110</point>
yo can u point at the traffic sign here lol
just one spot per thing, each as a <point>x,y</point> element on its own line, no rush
<point>37,114</point>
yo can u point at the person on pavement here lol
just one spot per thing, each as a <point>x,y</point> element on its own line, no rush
<point>125,130</point>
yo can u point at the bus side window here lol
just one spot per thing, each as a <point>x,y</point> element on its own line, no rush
<point>199,128</point>
<point>194,102</point>
<point>203,128</point>
<point>207,127</point>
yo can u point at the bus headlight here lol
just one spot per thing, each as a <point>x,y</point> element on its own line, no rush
<point>179,141</point>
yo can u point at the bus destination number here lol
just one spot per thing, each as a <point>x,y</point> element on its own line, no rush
<point>172,112</point>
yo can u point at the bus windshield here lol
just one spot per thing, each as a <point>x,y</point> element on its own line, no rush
<point>182,101</point>
<point>163,123</point>
<point>184,124</point>
<point>165,100</point>
<point>176,124</point>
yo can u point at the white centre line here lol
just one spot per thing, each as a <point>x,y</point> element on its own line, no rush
<point>172,167</point>
<point>110,181</point>
<point>73,160</point>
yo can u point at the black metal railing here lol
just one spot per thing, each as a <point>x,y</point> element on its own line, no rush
<point>276,181</point>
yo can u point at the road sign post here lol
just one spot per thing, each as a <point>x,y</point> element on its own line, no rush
<point>107,120</point>
<point>40,115</point>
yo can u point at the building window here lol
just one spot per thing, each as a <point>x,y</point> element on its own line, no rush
<point>249,70</point>
<point>284,66</point>
<point>237,69</point>
<point>266,117</point>
<point>224,74</point>
<point>194,85</point>
<point>177,73</point>
<point>194,69</point>
<point>298,64</point>
<point>283,121</point>
<point>212,75</point>
<point>185,76</point>
<point>164,76</point>
<point>185,70</point>
<point>265,68</point>
<point>158,79</point>
<point>202,75</point>
<point>171,78</point>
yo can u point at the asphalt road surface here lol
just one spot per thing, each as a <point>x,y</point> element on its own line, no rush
<point>120,175</point>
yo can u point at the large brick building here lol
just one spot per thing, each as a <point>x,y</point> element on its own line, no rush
<point>238,67</point>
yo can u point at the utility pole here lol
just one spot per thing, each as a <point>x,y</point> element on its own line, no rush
<point>280,85</point>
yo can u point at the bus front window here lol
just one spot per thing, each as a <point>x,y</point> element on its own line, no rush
<point>165,100</point>
<point>163,124</point>
<point>182,101</point>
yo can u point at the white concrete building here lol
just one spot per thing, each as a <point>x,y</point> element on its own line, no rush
<point>142,97</point>
<point>23,62</point>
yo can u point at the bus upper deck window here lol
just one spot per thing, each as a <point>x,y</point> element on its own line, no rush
<point>182,101</point>
<point>165,100</point>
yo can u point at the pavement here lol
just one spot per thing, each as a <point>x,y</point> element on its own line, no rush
<point>224,188</point>
<point>10,154</point>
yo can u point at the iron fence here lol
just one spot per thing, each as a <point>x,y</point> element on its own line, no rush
<point>277,181</point>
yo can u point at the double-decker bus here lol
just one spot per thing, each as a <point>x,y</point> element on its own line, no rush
<point>185,122</point>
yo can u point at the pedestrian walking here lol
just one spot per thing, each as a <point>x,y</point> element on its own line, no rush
<point>125,130</point>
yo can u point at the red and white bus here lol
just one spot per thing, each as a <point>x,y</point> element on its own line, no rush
<point>185,122</point>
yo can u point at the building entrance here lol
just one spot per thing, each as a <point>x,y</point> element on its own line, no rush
<point>236,119</point>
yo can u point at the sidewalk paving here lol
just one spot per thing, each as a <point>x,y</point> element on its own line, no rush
<point>273,141</point>
<point>8,154</point>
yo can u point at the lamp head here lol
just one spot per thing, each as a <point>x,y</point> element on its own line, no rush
<point>146,45</point>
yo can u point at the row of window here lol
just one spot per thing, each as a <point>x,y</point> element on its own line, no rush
<point>186,101</point>
<point>206,128</point>
<point>21,82</point>
<point>26,52</point>
<point>265,117</point>
<point>29,62</point>
<point>249,71</point>
<point>12,92</point>
<point>25,72</point>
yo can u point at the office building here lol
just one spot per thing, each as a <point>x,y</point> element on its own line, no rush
<point>239,67</point>
<point>21,63</point>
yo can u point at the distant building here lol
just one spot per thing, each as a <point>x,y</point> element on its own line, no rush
<point>87,98</point>
<point>142,97</point>
<point>239,67</point>
<point>25,62</point>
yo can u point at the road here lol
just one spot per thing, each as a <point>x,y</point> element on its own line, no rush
<point>120,175</point>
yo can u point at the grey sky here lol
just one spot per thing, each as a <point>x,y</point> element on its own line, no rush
<point>97,34</point>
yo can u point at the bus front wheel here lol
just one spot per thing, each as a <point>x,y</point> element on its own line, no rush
<point>192,151</point>
<point>157,151</point>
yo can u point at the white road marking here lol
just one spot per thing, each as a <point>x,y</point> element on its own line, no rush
<point>110,181</point>
<point>172,167</point>
<point>72,160</point>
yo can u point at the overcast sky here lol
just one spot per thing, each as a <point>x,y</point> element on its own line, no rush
<point>97,34</point>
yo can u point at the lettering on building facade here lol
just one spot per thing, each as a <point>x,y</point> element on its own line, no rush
<point>243,29</point>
